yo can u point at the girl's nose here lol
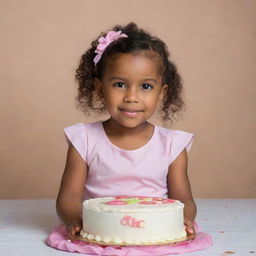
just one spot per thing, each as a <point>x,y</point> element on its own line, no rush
<point>131,95</point>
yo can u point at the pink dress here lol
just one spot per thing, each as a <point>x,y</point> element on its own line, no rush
<point>115,171</point>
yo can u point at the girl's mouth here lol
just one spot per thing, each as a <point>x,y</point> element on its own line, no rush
<point>130,113</point>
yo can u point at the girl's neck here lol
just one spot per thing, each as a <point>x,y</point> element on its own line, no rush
<point>114,129</point>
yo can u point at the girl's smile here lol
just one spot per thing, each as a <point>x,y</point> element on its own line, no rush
<point>131,87</point>
<point>130,113</point>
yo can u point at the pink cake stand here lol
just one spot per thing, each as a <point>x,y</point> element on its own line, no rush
<point>58,239</point>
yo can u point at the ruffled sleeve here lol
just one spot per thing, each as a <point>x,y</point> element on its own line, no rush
<point>76,134</point>
<point>180,140</point>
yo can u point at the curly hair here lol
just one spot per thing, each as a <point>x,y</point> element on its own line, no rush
<point>137,40</point>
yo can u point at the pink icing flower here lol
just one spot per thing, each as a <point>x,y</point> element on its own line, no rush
<point>142,197</point>
<point>168,201</point>
<point>105,41</point>
<point>121,197</point>
<point>116,202</point>
<point>158,199</point>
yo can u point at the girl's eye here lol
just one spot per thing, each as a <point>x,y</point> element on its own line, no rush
<point>147,86</point>
<point>119,84</point>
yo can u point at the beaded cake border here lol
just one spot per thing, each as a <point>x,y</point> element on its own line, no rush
<point>168,242</point>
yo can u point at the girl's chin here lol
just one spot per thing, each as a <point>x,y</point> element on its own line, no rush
<point>131,123</point>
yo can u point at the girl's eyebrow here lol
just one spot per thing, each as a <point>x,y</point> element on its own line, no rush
<point>123,79</point>
<point>117,78</point>
<point>151,79</point>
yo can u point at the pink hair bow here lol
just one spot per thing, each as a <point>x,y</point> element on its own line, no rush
<point>105,41</point>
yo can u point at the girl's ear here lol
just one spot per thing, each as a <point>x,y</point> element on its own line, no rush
<point>98,87</point>
<point>163,92</point>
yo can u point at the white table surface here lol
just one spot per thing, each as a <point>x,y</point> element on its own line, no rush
<point>24,225</point>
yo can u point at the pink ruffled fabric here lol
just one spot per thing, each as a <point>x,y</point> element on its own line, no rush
<point>57,239</point>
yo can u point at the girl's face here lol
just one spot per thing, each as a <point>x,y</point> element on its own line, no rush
<point>131,87</point>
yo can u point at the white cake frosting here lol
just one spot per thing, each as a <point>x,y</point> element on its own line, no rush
<point>133,220</point>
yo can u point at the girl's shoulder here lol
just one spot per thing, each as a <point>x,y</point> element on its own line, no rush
<point>174,133</point>
<point>79,133</point>
<point>174,141</point>
<point>82,127</point>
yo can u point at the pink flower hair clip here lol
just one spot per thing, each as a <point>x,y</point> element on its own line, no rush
<point>105,41</point>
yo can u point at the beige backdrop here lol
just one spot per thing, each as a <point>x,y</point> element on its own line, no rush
<point>212,42</point>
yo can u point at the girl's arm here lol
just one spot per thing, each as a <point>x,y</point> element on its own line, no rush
<point>70,197</point>
<point>179,188</point>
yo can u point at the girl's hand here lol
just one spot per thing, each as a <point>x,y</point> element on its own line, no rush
<point>74,229</point>
<point>190,229</point>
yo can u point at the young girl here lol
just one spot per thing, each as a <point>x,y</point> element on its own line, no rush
<point>127,73</point>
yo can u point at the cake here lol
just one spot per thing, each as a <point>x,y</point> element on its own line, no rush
<point>138,220</point>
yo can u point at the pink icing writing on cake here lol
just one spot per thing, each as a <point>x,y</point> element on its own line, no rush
<point>132,222</point>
